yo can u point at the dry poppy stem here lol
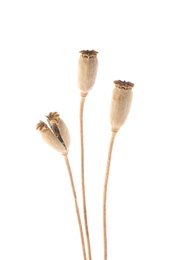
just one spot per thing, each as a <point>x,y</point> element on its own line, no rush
<point>83,96</point>
<point>76,205</point>
<point>120,106</point>
<point>105,193</point>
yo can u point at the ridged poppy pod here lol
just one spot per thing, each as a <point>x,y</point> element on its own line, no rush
<point>87,70</point>
<point>121,103</point>
<point>58,136</point>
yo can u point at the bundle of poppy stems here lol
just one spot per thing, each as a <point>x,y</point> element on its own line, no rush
<point>56,134</point>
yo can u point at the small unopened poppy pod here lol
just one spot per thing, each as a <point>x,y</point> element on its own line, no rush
<point>120,107</point>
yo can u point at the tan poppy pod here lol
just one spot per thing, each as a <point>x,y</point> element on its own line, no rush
<point>58,136</point>
<point>121,103</point>
<point>87,70</point>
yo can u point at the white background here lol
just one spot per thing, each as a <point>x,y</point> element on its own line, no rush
<point>39,49</point>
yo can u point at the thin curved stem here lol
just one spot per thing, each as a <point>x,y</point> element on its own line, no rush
<point>105,193</point>
<point>82,175</point>
<point>76,205</point>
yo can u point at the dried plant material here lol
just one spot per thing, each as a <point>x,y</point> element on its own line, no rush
<point>120,106</point>
<point>82,176</point>
<point>88,54</point>
<point>59,128</point>
<point>105,193</point>
<point>76,206</point>
<point>123,84</point>
<point>121,103</point>
<point>42,127</point>
<point>87,70</point>
<point>58,136</point>
<point>53,117</point>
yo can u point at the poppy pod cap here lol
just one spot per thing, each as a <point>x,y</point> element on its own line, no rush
<point>87,70</point>
<point>120,104</point>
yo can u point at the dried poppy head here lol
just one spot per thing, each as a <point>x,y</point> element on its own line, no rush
<point>87,70</point>
<point>120,104</point>
<point>57,134</point>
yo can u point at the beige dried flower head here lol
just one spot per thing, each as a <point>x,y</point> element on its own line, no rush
<point>121,103</point>
<point>87,70</point>
<point>57,135</point>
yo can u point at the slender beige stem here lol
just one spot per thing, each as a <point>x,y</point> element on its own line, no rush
<point>82,175</point>
<point>76,205</point>
<point>105,193</point>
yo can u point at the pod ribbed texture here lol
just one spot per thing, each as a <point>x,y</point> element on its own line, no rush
<point>87,70</point>
<point>120,104</point>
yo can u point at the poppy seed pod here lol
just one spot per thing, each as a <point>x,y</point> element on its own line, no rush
<point>58,136</point>
<point>87,70</point>
<point>121,103</point>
